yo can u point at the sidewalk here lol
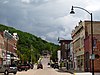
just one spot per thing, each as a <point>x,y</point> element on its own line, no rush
<point>77,72</point>
<point>63,69</point>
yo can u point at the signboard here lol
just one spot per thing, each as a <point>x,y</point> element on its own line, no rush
<point>92,56</point>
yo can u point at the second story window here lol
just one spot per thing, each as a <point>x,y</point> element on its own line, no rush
<point>94,43</point>
<point>65,46</point>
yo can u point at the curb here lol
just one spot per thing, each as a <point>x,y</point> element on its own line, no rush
<point>64,70</point>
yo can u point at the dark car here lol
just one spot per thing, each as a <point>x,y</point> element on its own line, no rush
<point>39,66</point>
<point>56,65</point>
<point>28,66</point>
<point>22,67</point>
<point>6,69</point>
<point>31,66</point>
<point>52,65</point>
<point>48,63</point>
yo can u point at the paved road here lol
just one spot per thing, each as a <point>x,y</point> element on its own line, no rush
<point>47,70</point>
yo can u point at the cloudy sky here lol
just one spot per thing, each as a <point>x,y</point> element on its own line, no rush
<point>48,19</point>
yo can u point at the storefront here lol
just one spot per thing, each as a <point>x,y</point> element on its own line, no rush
<point>80,60</point>
<point>6,58</point>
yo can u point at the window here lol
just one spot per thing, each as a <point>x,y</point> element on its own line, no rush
<point>94,43</point>
<point>66,46</point>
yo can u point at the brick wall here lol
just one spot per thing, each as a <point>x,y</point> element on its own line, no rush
<point>97,52</point>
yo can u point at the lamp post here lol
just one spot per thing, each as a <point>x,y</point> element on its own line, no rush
<point>72,12</point>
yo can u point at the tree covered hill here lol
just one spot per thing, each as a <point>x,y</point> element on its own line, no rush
<point>29,44</point>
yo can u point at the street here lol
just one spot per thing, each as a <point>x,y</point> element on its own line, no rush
<point>49,37</point>
<point>47,70</point>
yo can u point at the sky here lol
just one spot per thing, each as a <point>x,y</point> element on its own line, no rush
<point>48,19</point>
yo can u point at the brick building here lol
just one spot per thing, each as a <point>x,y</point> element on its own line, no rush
<point>1,48</point>
<point>8,48</point>
<point>65,52</point>
<point>96,46</point>
<point>82,45</point>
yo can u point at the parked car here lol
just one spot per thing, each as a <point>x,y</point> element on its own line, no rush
<point>39,66</point>
<point>22,67</point>
<point>56,65</point>
<point>52,65</point>
<point>28,66</point>
<point>31,66</point>
<point>6,69</point>
<point>48,63</point>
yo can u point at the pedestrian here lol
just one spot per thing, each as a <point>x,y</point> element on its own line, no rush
<point>60,64</point>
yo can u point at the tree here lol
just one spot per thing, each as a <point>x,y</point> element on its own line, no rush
<point>26,40</point>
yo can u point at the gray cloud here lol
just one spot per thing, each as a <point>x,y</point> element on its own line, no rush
<point>48,19</point>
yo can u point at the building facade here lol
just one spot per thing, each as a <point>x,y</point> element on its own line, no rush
<point>65,52</point>
<point>1,48</point>
<point>71,56</point>
<point>78,36</point>
<point>82,46</point>
<point>8,48</point>
<point>96,46</point>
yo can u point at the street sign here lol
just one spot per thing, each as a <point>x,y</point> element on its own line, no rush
<point>92,56</point>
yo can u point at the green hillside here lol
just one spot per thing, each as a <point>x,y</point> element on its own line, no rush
<point>30,44</point>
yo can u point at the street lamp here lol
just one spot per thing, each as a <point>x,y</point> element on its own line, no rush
<point>72,12</point>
